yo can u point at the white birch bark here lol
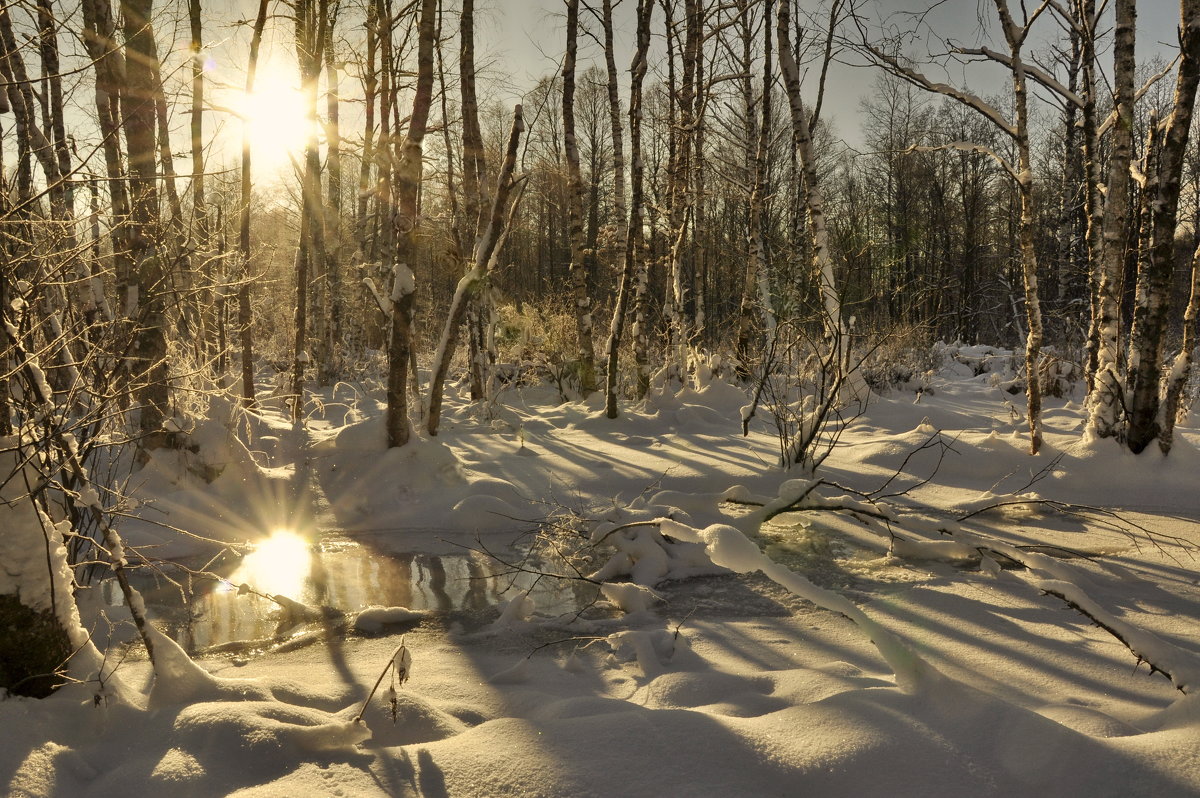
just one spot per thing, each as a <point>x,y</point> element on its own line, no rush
<point>487,250</point>
<point>623,240</point>
<point>583,303</point>
<point>855,388</point>
<point>1150,323</point>
<point>1105,400</point>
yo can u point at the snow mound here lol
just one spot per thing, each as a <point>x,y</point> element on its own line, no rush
<point>372,620</point>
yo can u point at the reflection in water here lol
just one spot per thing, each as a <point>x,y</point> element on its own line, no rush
<point>339,574</point>
<point>279,565</point>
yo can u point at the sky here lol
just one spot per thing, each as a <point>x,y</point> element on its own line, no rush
<point>518,42</point>
<point>526,43</point>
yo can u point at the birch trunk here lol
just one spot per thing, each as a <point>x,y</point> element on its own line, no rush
<point>636,259</point>
<point>831,302</point>
<point>1015,36</point>
<point>1149,330</point>
<point>1093,200</point>
<point>408,184</point>
<point>583,303</point>
<point>1181,366</point>
<point>109,64</point>
<point>310,41</point>
<point>330,364</point>
<point>1105,400</point>
<point>474,171</point>
<point>623,233</point>
<point>245,333</point>
<point>370,91</point>
<point>680,210</point>
<point>487,249</point>
<point>756,306</point>
<point>139,106</point>
<point>204,300</point>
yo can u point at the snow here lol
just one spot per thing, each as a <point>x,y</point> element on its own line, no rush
<point>372,620</point>
<point>818,652</point>
<point>405,282</point>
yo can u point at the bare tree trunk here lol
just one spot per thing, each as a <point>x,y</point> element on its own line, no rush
<point>682,208</point>
<point>1149,331</point>
<point>474,164</point>
<point>330,362</point>
<point>165,155</point>
<point>246,333</point>
<point>199,208</point>
<point>59,178</point>
<point>1085,13</point>
<point>140,103</point>
<point>311,19</point>
<point>636,255</point>
<point>56,130</point>
<point>1105,401</point>
<point>109,63</point>
<point>756,288</point>
<point>474,171</point>
<point>1181,366</point>
<point>408,184</point>
<point>1015,37</point>
<point>625,237</point>
<point>583,302</point>
<point>831,301</point>
<point>383,239</point>
<point>370,91</point>
<point>487,249</point>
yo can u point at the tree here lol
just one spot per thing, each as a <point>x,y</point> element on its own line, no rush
<point>408,184</point>
<point>1019,169</point>
<point>148,297</point>
<point>1105,397</point>
<point>802,140</point>
<point>628,240</point>
<point>246,334</point>
<point>487,250</point>
<point>583,302</point>
<point>1147,338</point>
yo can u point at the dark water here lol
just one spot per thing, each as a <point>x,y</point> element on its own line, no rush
<point>340,574</point>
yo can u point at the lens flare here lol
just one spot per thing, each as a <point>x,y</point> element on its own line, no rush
<point>279,565</point>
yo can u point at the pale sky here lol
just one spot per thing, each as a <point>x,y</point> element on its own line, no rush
<point>521,41</point>
<point>528,42</point>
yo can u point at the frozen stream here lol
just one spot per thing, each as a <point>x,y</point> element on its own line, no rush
<point>333,572</point>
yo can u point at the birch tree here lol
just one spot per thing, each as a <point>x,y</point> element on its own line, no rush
<point>1020,170</point>
<point>487,250</point>
<point>583,303</point>
<point>244,315</point>
<point>1104,400</point>
<point>311,19</point>
<point>1149,331</point>
<point>474,169</point>
<point>329,364</point>
<point>830,297</point>
<point>625,286</point>
<point>408,184</point>
<point>147,297</point>
<point>637,260</point>
<point>108,62</point>
<point>756,305</point>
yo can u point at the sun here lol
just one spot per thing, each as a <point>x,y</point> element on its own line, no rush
<point>279,564</point>
<point>275,114</point>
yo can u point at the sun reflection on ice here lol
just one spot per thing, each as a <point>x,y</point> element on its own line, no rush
<point>279,565</point>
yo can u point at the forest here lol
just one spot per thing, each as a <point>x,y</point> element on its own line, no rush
<point>659,315</point>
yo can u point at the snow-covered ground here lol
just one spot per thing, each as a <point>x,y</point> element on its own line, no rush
<point>868,664</point>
